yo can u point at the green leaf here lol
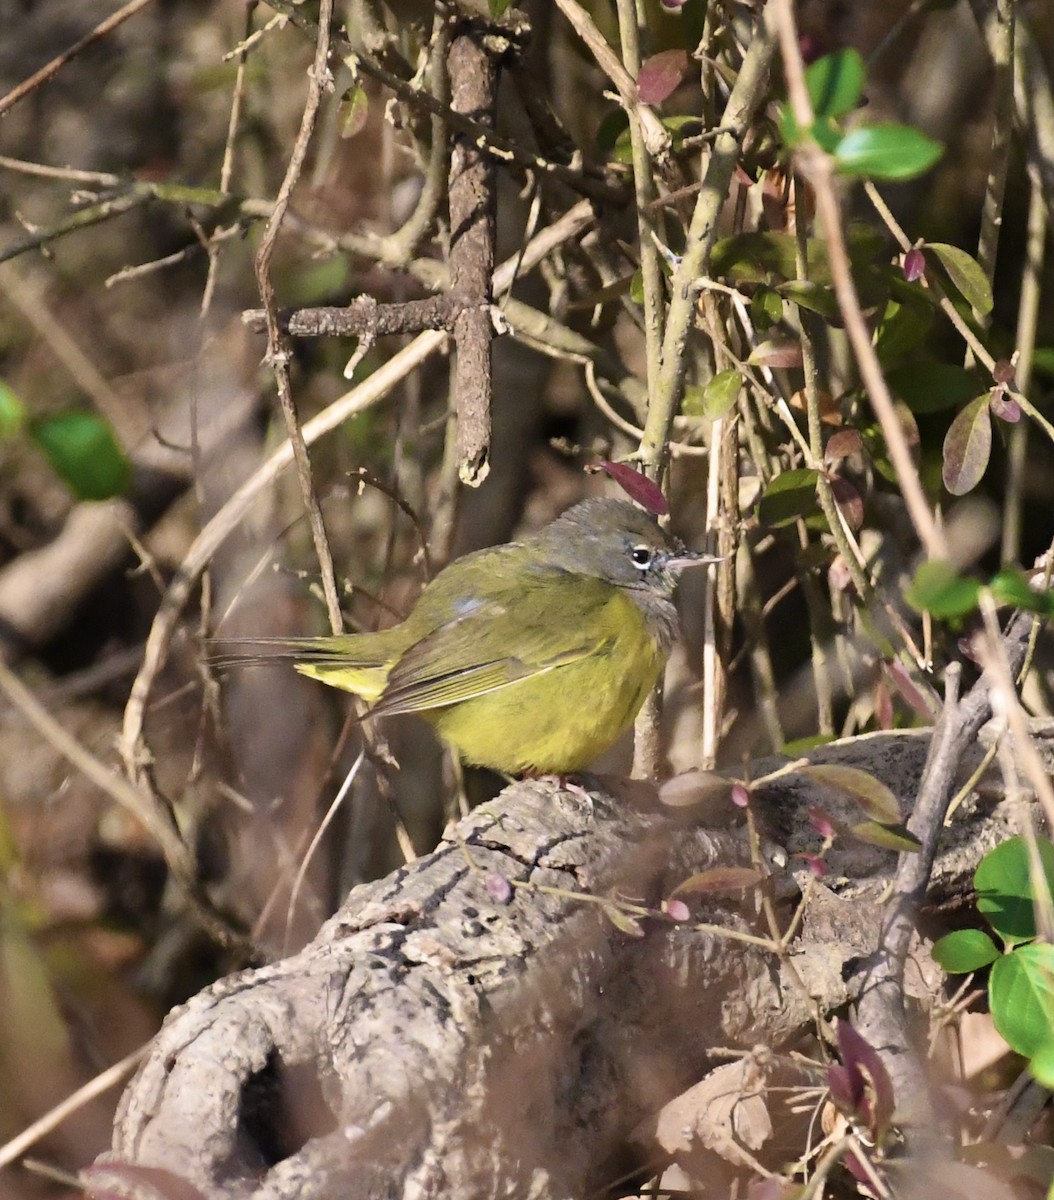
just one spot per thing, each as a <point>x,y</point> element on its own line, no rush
<point>84,453</point>
<point>611,127</point>
<point>715,398</point>
<point>875,441</point>
<point>764,257</point>
<point>789,496</point>
<point>886,837</point>
<point>836,83</point>
<point>12,413</point>
<point>941,591</point>
<point>966,273</point>
<point>682,125</point>
<point>799,746</point>
<point>32,1013</point>
<point>886,151</point>
<point>766,308</point>
<point>867,792</point>
<point>1011,586</point>
<point>927,387</point>
<point>964,951</point>
<point>812,296</point>
<point>352,111</point>
<point>967,447</point>
<point>1042,1067</point>
<point>497,7</point>
<point>636,287</point>
<point>1004,887</point>
<point>905,324</point>
<point>1021,997</point>
<point>623,921</point>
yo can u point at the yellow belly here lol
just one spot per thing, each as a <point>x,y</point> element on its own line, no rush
<point>556,722</point>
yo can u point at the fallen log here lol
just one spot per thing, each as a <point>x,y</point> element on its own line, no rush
<point>490,1021</point>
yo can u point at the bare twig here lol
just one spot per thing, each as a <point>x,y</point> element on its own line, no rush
<point>53,67</point>
<point>364,317</point>
<point>211,244</point>
<point>817,166</point>
<point>404,241</point>
<point>369,392</point>
<point>745,98</point>
<point>1024,348</point>
<point>113,1075</point>
<point>881,1016</point>
<point>644,193</point>
<point>1002,44</point>
<point>583,181</point>
<point>153,816</point>
<point>319,78</point>
<point>656,137</point>
<point>473,79</point>
<point>100,179</point>
<point>213,535</point>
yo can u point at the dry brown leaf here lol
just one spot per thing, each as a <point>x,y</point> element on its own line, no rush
<point>726,1112</point>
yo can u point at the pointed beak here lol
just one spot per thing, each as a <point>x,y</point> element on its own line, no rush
<point>676,563</point>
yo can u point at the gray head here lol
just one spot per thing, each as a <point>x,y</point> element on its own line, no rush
<point>616,541</point>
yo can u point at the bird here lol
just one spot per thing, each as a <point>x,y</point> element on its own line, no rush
<point>530,657</point>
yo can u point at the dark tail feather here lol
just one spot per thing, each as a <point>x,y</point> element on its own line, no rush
<point>224,653</point>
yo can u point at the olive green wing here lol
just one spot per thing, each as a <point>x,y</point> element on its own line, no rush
<point>552,622</point>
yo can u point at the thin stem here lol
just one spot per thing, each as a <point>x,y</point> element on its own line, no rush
<point>744,100</point>
<point>318,78</point>
<point>975,344</point>
<point>818,168</point>
<point>1002,46</point>
<point>644,195</point>
<point>1024,346</point>
<point>60,60</point>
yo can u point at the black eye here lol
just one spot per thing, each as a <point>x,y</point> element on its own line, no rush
<point>641,556</point>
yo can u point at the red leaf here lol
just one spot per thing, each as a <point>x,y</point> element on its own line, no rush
<point>967,447</point>
<point>842,444</point>
<point>637,486</point>
<point>817,866</point>
<point>914,265</point>
<point>1005,407</point>
<point>910,691</point>
<point>661,74</point>
<point>776,353</point>
<point>883,703</point>
<point>849,502</point>
<point>821,822</point>
<point>718,879</point>
<point>872,1083</point>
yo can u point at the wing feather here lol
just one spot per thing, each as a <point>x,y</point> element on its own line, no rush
<point>498,644</point>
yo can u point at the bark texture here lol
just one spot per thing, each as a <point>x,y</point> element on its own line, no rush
<point>446,1034</point>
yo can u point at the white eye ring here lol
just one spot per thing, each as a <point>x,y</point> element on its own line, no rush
<point>641,556</point>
